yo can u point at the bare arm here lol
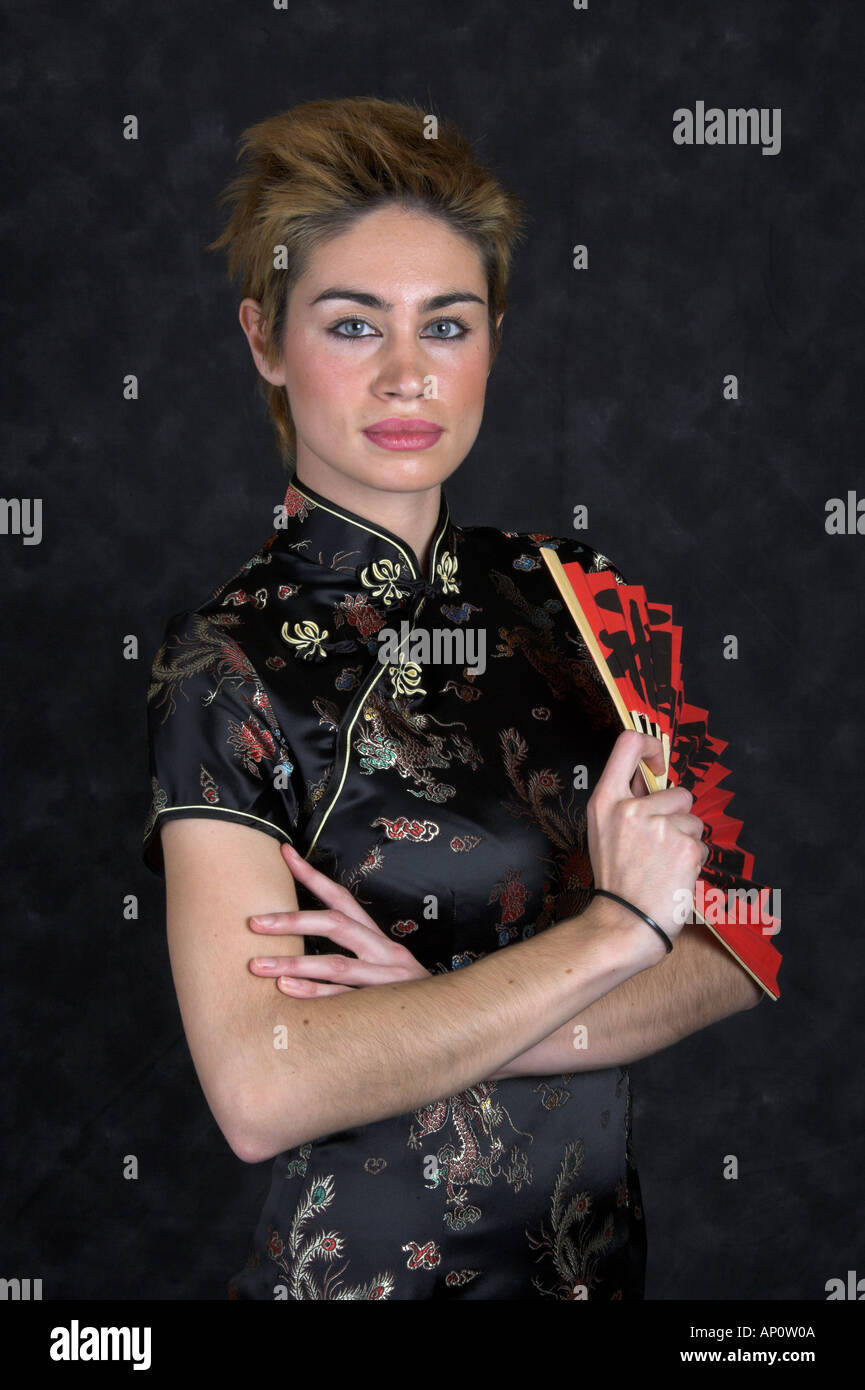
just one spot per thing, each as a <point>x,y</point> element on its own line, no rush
<point>697,985</point>
<point>361,1056</point>
<point>277,1072</point>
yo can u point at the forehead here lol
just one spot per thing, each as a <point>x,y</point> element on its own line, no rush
<point>406,253</point>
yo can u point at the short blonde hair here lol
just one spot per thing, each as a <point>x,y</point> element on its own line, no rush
<point>312,171</point>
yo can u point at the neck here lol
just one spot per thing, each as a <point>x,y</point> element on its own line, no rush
<point>410,515</point>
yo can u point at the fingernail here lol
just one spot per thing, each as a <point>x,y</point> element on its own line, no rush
<point>265,921</point>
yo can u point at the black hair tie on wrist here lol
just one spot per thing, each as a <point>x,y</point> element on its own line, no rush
<point>604,892</point>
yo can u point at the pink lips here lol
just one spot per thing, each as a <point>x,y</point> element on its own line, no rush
<point>396,433</point>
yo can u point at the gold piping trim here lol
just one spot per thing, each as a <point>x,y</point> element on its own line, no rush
<point>361,702</point>
<point>215,811</point>
<point>372,530</point>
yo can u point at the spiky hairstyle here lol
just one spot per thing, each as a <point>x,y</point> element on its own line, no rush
<point>310,172</point>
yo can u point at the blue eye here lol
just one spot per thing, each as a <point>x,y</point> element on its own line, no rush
<point>459,324</point>
<point>342,324</point>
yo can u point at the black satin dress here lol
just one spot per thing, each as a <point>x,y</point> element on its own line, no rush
<point>446,787</point>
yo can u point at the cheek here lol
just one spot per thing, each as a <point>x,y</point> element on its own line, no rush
<point>317,376</point>
<point>466,384</point>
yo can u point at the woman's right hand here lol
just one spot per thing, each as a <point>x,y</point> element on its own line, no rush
<point>644,846</point>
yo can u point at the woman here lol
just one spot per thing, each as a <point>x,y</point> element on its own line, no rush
<point>413,1054</point>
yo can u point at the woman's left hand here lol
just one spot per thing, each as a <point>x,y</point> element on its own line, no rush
<point>380,961</point>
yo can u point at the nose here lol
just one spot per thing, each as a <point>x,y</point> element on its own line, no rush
<point>401,366</point>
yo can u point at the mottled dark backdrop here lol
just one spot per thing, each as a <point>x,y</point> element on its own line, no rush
<point>703,261</point>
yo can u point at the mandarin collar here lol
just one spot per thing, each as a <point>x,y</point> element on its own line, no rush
<point>366,554</point>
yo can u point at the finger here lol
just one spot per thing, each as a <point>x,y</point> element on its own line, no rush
<point>334,894</point>
<point>368,942</point>
<point>304,920</point>
<point>671,801</point>
<point>638,781</point>
<point>690,825</point>
<point>270,966</point>
<point>693,827</point>
<point>342,970</point>
<point>630,747</point>
<point>309,989</point>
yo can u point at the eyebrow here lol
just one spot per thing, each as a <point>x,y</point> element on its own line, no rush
<point>372,301</point>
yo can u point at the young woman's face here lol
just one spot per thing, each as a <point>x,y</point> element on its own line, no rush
<point>349,364</point>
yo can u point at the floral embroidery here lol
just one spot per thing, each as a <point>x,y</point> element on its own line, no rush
<point>296,504</point>
<point>360,613</point>
<point>512,895</point>
<point>309,638</point>
<point>252,743</point>
<point>405,678</point>
<point>461,1188</point>
<point>446,570</point>
<point>384,583</point>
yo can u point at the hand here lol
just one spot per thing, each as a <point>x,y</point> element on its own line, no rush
<point>380,961</point>
<point>644,846</point>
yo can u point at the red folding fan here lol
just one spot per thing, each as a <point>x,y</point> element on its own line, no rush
<point>637,649</point>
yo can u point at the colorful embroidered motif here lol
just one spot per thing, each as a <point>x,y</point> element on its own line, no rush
<point>308,640</point>
<point>575,1241</point>
<point>297,1256</point>
<point>384,580</point>
<point>474,1115</point>
<point>256,713</point>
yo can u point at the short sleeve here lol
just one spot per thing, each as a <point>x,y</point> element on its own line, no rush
<point>569,549</point>
<point>215,748</point>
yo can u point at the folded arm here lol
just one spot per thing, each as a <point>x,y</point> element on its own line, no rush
<point>698,984</point>
<point>278,1071</point>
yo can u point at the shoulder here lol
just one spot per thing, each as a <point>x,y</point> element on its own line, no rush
<point>193,639</point>
<point>202,656</point>
<point>216,625</point>
<point>237,588</point>
<point>520,550</point>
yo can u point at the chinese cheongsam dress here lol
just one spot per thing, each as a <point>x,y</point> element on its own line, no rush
<point>446,787</point>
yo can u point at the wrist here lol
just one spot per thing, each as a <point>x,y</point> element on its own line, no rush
<point>637,946</point>
<point>638,912</point>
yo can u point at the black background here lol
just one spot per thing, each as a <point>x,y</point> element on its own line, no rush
<point>607,391</point>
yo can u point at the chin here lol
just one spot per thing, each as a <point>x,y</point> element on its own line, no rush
<point>404,471</point>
